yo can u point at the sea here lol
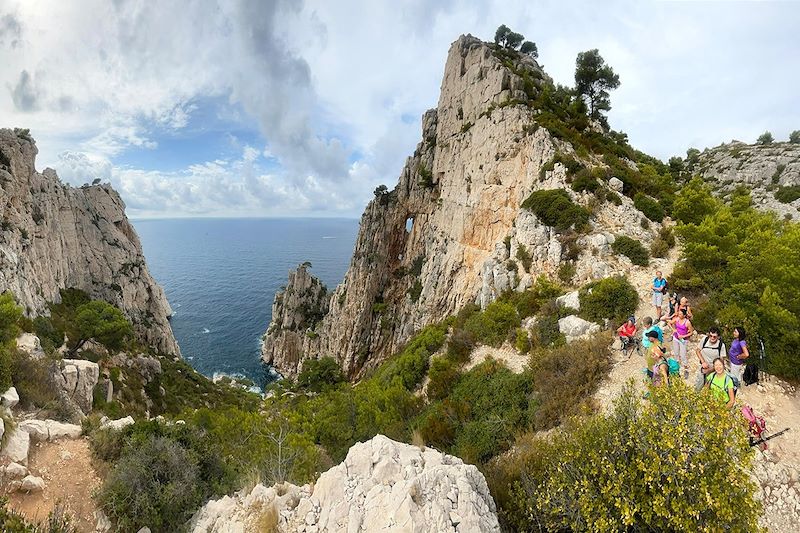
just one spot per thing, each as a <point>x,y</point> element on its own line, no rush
<point>221,275</point>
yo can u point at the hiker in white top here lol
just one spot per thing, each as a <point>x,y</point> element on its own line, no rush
<point>711,347</point>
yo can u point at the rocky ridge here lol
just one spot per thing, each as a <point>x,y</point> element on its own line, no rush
<point>763,169</point>
<point>53,236</point>
<point>446,235</point>
<point>382,485</point>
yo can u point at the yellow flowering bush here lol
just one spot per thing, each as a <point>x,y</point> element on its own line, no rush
<point>678,461</point>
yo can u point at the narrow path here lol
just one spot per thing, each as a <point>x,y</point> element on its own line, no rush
<point>70,479</point>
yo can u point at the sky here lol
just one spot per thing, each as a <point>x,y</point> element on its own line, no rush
<point>291,108</point>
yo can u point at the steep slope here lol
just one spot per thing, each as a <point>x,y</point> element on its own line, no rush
<point>764,169</point>
<point>444,236</point>
<point>54,236</point>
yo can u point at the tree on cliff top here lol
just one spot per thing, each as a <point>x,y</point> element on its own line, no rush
<point>102,322</point>
<point>593,79</point>
<point>765,138</point>
<point>509,39</point>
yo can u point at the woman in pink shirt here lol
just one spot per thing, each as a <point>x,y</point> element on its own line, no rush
<point>682,327</point>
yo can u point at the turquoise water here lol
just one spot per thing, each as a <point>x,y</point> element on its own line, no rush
<point>221,275</point>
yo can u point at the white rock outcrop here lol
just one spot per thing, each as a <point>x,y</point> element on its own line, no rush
<point>49,430</point>
<point>382,485</point>
<point>10,398</point>
<point>16,446</point>
<point>15,471</point>
<point>106,423</point>
<point>571,300</point>
<point>574,327</point>
<point>30,344</point>
<point>55,236</point>
<point>77,379</point>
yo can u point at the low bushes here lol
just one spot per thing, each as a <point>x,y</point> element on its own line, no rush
<point>319,374</point>
<point>555,208</point>
<point>657,465</point>
<point>787,194</point>
<point>564,377</point>
<point>492,326</point>
<point>632,249</point>
<point>611,299</point>
<point>649,207</point>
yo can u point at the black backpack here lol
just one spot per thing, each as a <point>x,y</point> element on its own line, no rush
<point>750,375</point>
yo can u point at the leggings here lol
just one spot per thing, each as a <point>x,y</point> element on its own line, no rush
<point>679,350</point>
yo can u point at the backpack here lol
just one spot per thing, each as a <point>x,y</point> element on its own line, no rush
<point>665,288</point>
<point>674,366</point>
<point>750,374</point>
<point>719,346</point>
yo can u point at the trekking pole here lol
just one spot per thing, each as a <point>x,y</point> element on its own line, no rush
<point>765,439</point>
<point>762,361</point>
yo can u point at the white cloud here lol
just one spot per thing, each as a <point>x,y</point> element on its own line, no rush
<point>330,85</point>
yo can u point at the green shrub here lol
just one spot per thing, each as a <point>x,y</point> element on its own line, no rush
<point>478,419</point>
<point>694,202</point>
<point>632,249</point>
<point>765,138</point>
<point>32,381</point>
<point>649,207</point>
<point>567,271</point>
<point>555,208</point>
<point>493,325</point>
<point>659,248</point>
<point>529,302</point>
<point>585,180</point>
<point>460,345</point>
<point>776,176</point>
<point>794,137</point>
<point>157,483</point>
<point>545,332</point>
<point>660,465</point>
<point>415,290</point>
<point>787,194</point>
<point>612,299</point>
<point>411,364</point>
<point>50,336</point>
<point>524,257</point>
<point>523,341</point>
<point>319,374</point>
<point>443,375</point>
<point>564,379</point>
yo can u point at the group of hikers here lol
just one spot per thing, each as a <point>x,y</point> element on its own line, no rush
<point>721,368</point>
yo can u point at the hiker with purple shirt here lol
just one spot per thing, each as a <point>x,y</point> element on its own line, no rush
<point>738,352</point>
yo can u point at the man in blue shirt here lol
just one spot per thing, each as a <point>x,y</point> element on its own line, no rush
<point>659,288</point>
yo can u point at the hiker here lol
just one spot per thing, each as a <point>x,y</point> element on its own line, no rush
<point>711,347</point>
<point>657,360</point>
<point>682,328</point>
<point>627,332</point>
<point>720,383</point>
<point>685,307</point>
<point>738,353</point>
<point>659,289</point>
<point>672,306</point>
<point>648,325</point>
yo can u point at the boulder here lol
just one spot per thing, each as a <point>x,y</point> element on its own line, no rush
<point>30,344</point>
<point>32,484</point>
<point>16,446</point>
<point>574,327</point>
<point>15,471</point>
<point>616,184</point>
<point>37,429</point>
<point>116,424</point>
<point>76,378</point>
<point>382,485</point>
<point>9,398</point>
<point>58,430</point>
<point>571,300</point>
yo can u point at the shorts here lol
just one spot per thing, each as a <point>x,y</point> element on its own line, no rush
<point>658,298</point>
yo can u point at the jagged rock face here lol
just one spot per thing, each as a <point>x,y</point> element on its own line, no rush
<point>443,237</point>
<point>382,485</point>
<point>53,236</point>
<point>761,168</point>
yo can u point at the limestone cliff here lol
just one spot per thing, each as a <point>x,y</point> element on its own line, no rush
<point>764,169</point>
<point>444,236</point>
<point>54,236</point>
